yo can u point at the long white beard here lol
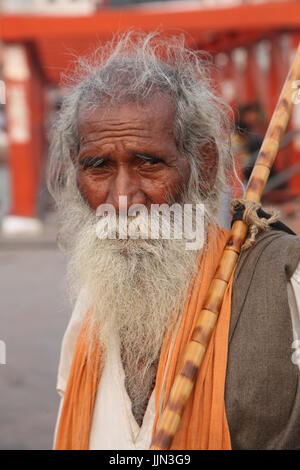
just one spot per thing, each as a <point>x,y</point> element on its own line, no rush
<point>135,289</point>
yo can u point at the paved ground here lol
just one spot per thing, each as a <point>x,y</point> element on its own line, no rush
<point>34,312</point>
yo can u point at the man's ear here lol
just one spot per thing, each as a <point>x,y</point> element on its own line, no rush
<point>209,166</point>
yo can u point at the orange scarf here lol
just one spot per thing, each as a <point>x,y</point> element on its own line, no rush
<point>203,424</point>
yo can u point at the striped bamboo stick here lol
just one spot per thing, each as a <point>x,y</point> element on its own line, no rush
<point>196,348</point>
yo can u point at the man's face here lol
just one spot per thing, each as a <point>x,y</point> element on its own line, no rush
<point>130,150</point>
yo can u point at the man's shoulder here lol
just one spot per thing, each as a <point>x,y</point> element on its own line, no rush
<point>260,282</point>
<point>69,340</point>
<point>273,252</point>
<point>262,379</point>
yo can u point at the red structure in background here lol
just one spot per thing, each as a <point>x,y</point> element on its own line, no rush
<point>231,35</point>
<point>25,119</point>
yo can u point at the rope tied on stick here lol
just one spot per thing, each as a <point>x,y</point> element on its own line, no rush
<point>250,214</point>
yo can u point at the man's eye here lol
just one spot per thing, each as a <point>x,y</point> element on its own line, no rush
<point>92,162</point>
<point>149,159</point>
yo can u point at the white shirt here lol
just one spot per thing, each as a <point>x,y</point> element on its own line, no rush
<point>113,425</point>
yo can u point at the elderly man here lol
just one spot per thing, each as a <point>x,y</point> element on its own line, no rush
<point>142,127</point>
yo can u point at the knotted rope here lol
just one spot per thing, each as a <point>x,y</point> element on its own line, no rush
<point>255,223</point>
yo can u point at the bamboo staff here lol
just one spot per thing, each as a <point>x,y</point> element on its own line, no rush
<point>207,318</point>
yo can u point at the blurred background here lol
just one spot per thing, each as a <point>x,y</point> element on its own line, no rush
<point>252,44</point>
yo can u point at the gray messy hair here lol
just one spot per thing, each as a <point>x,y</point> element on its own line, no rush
<point>135,66</point>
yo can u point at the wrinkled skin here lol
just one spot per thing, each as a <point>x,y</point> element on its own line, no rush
<point>130,150</point>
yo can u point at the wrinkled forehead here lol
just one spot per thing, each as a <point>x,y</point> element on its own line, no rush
<point>156,114</point>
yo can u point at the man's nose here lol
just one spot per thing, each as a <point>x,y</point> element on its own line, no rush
<point>125,184</point>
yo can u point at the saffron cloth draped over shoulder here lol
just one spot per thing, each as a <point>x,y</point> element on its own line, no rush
<point>204,423</point>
